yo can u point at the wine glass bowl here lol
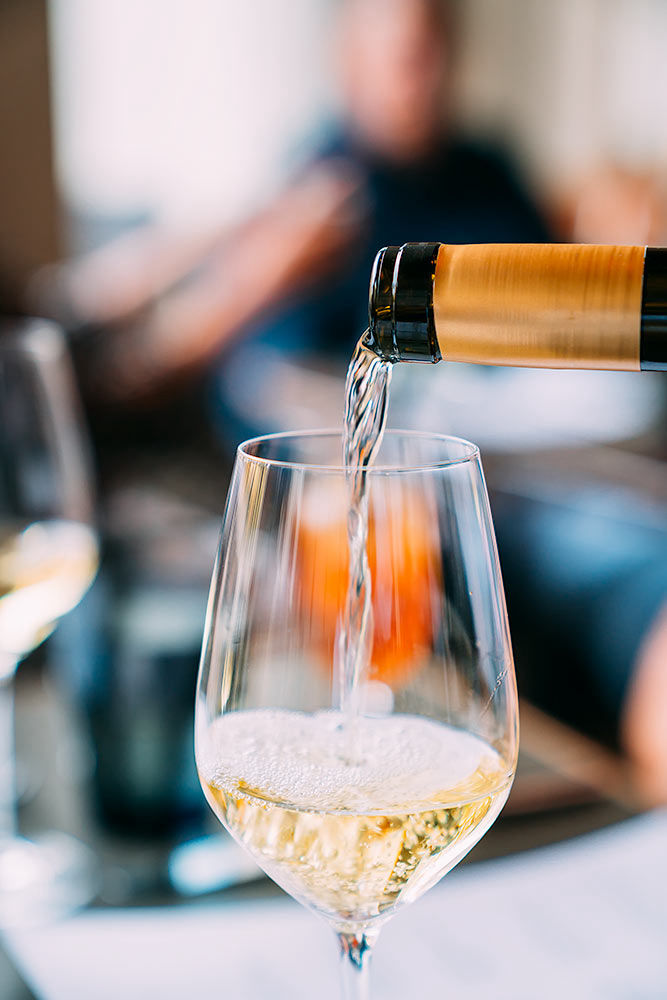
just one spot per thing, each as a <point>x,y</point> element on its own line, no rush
<point>48,548</point>
<point>356,807</point>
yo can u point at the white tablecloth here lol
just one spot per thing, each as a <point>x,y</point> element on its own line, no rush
<point>585,920</point>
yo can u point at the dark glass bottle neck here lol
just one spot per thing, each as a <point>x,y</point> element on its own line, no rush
<point>653,337</point>
<point>401,326</point>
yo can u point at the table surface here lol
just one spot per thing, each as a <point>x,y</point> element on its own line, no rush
<point>567,786</point>
<point>583,919</point>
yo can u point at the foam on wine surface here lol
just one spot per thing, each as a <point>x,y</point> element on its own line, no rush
<point>303,760</point>
<point>351,837</point>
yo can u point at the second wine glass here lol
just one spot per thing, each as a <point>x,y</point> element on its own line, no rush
<point>48,558</point>
<point>356,812</point>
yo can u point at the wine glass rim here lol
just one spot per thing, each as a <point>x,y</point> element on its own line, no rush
<point>470,452</point>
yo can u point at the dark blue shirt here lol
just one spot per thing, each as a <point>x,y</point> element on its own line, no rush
<point>465,192</point>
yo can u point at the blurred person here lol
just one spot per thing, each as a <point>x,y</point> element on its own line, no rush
<point>296,275</point>
<point>292,281</point>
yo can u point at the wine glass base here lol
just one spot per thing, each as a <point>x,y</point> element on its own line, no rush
<point>44,879</point>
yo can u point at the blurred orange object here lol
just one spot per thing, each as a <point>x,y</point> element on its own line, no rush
<point>404,573</point>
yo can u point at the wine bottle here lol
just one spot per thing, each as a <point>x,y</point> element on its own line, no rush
<point>531,305</point>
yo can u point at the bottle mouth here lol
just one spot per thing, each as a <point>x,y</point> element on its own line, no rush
<point>401,326</point>
<point>381,333</point>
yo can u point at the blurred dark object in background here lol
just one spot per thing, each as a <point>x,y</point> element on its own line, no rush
<point>578,637</point>
<point>584,557</point>
<point>129,656</point>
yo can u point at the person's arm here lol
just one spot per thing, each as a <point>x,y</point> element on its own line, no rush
<point>644,717</point>
<point>263,261</point>
<point>110,284</point>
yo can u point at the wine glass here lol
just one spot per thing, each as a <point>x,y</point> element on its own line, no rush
<point>356,805</point>
<point>48,557</point>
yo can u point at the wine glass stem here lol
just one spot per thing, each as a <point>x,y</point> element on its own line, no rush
<point>8,816</point>
<point>355,953</point>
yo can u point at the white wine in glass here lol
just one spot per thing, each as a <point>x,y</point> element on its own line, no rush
<point>48,558</point>
<point>356,806</point>
<point>45,569</point>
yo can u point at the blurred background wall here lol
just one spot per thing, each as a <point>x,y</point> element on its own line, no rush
<point>163,107</point>
<point>575,82</point>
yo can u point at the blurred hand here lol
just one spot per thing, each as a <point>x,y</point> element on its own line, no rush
<point>616,205</point>
<point>644,724</point>
<point>312,222</point>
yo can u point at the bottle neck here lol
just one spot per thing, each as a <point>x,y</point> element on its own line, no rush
<point>557,306</point>
<point>401,323</point>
